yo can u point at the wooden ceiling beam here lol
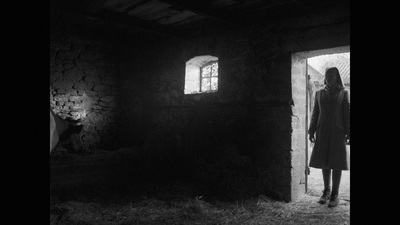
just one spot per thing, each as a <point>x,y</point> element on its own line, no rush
<point>95,5</point>
<point>115,18</point>
<point>140,3</point>
<point>202,9</point>
<point>122,18</point>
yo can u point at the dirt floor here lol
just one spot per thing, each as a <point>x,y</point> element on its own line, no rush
<point>177,204</point>
<point>184,204</point>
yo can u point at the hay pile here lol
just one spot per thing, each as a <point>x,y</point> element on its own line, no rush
<point>223,194</point>
<point>196,210</point>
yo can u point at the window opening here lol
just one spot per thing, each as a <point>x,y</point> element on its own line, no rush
<point>201,75</point>
<point>209,77</point>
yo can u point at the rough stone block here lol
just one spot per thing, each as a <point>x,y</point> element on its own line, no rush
<point>83,85</point>
<point>93,52</point>
<point>65,91</point>
<point>91,93</point>
<point>73,74</point>
<point>112,104</point>
<point>94,117</point>
<point>74,93</point>
<point>89,138</point>
<point>67,54</point>
<point>80,92</point>
<point>90,71</point>
<point>107,99</point>
<point>96,107</point>
<point>62,84</point>
<point>99,126</point>
<point>101,94</point>
<point>68,65</point>
<point>78,114</point>
<point>82,64</point>
<point>94,99</point>
<point>75,98</point>
<point>90,128</point>
<point>100,87</point>
<point>100,103</point>
<point>295,122</point>
<point>57,75</point>
<point>78,108</point>
<point>62,98</point>
<point>92,79</point>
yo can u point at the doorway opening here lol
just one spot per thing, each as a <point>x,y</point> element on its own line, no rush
<point>314,64</point>
<point>316,67</point>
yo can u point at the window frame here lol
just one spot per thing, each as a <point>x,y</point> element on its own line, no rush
<point>201,77</point>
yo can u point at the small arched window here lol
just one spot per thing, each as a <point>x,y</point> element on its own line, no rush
<point>201,75</point>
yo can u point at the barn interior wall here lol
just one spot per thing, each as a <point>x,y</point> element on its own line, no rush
<point>248,124</point>
<point>243,131</point>
<point>84,83</point>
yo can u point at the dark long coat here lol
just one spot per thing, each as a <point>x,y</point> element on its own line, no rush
<point>330,121</point>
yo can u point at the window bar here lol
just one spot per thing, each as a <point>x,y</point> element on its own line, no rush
<point>201,77</point>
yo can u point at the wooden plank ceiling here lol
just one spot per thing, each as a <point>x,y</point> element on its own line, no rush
<point>181,18</point>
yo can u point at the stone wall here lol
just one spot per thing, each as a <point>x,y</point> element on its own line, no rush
<point>256,114</point>
<point>299,134</point>
<point>245,126</point>
<point>250,128</point>
<point>83,83</point>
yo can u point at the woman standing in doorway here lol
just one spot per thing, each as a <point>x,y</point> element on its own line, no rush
<point>330,131</point>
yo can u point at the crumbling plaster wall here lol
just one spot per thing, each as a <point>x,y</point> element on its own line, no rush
<point>253,114</point>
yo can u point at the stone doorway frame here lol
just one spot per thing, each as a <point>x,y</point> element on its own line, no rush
<point>299,116</point>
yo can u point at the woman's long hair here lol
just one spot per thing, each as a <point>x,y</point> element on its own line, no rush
<point>337,74</point>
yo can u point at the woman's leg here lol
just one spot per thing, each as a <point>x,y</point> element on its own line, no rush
<point>326,175</point>
<point>337,175</point>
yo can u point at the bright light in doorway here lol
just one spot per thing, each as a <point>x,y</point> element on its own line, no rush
<point>318,65</point>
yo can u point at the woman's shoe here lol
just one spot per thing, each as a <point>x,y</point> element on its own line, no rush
<point>334,201</point>
<point>326,195</point>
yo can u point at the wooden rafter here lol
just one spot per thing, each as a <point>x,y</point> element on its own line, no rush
<point>202,9</point>
<point>116,18</point>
